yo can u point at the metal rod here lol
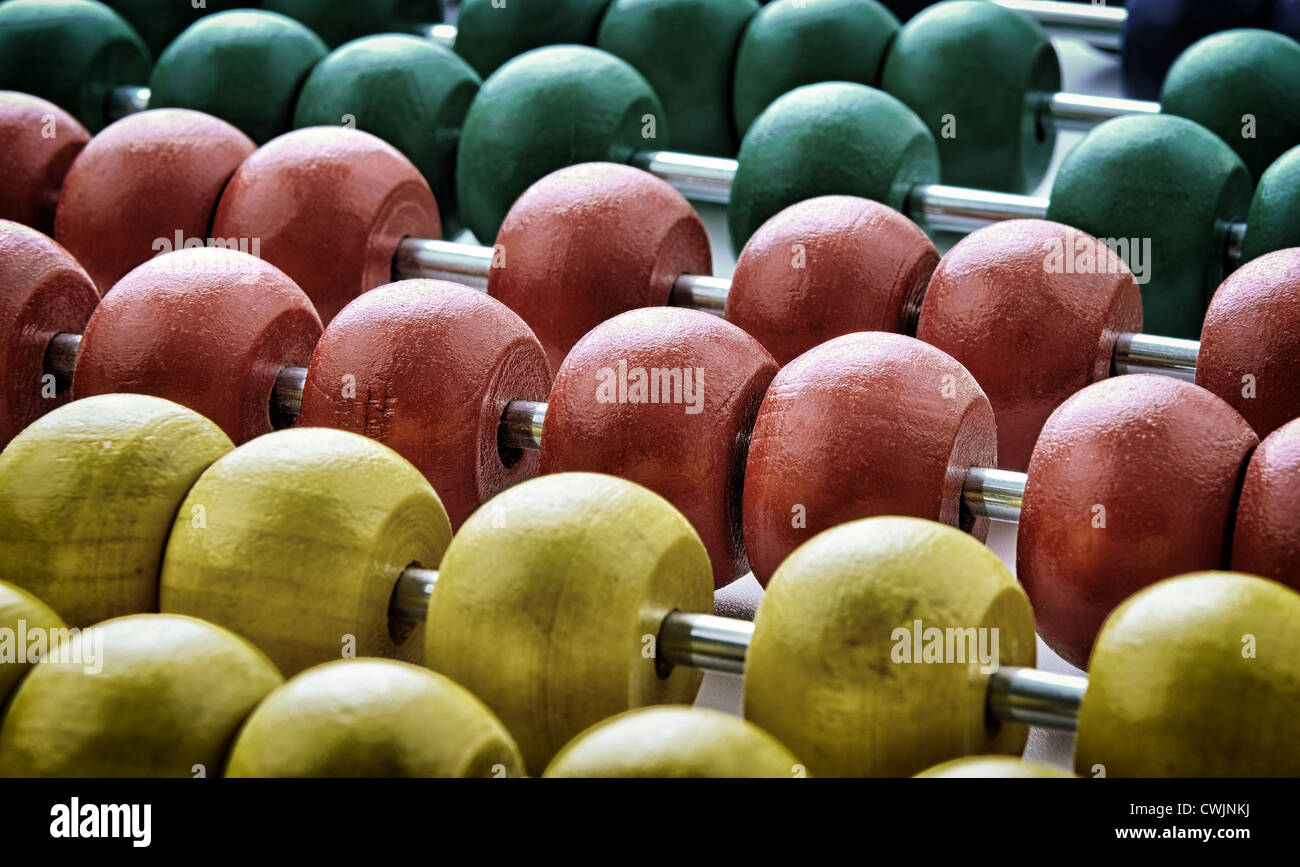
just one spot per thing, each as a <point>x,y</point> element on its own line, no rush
<point>701,293</point>
<point>1082,112</point>
<point>1167,356</point>
<point>705,642</point>
<point>521,425</point>
<point>720,644</point>
<point>124,100</point>
<point>61,357</point>
<point>1038,698</point>
<point>1095,23</point>
<point>701,179</point>
<point>1236,243</point>
<point>468,264</point>
<point>937,207</point>
<point>410,600</point>
<point>993,494</point>
<point>443,34</point>
<point>958,209</point>
<point>286,396</point>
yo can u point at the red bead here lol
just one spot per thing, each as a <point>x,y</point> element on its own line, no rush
<point>589,242</point>
<point>146,185</point>
<point>866,424</point>
<point>826,267</point>
<point>39,141</point>
<point>1032,309</point>
<point>427,367</point>
<point>209,329</point>
<point>1132,481</point>
<point>43,291</point>
<point>666,398</point>
<point>328,206</point>
<point>1250,343</point>
<point>1267,537</point>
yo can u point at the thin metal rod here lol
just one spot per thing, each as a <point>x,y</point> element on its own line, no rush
<point>701,293</point>
<point>1236,242</point>
<point>468,264</point>
<point>958,209</point>
<point>1167,356</point>
<point>705,642</point>
<point>61,357</point>
<point>286,396</point>
<point>1082,112</point>
<point>701,179</point>
<point>721,644</point>
<point>443,34</point>
<point>124,100</point>
<point>937,207</point>
<point>1098,25</point>
<point>993,494</point>
<point>410,600</point>
<point>521,425</point>
<point>1038,698</point>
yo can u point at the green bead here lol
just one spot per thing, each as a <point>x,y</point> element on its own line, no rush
<point>1225,78</point>
<point>547,109</point>
<point>244,66</point>
<point>488,34</point>
<point>977,73</point>
<point>408,91</point>
<point>790,43</point>
<point>340,21</point>
<point>828,139</point>
<point>1163,180</point>
<point>71,52</point>
<point>686,50</point>
<point>1274,220</point>
<point>160,21</point>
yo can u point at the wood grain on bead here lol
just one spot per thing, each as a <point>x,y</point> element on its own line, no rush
<point>329,205</point>
<point>43,291</point>
<point>39,141</point>
<point>611,411</point>
<point>1250,344</point>
<point>147,184</point>
<point>427,367</point>
<point>1031,330</point>
<point>867,424</point>
<point>1133,480</point>
<point>591,241</point>
<point>210,329</point>
<point>826,267</point>
<point>1266,540</point>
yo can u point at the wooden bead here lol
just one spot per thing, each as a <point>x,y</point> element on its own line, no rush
<point>866,424</point>
<point>427,368</point>
<point>88,494</point>
<point>832,671</point>
<point>372,718</point>
<point>550,599</point>
<point>208,328</point>
<point>665,397</point>
<point>1132,480</point>
<point>304,535</point>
